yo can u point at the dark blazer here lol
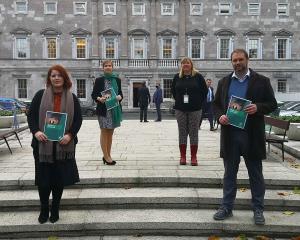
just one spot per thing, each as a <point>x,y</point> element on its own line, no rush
<point>144,96</point>
<point>207,106</point>
<point>260,92</point>
<point>98,88</point>
<point>33,118</point>
<point>194,86</point>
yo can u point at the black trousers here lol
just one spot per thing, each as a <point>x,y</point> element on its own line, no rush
<point>143,113</point>
<point>238,147</point>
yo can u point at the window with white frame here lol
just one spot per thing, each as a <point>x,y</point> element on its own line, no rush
<point>167,84</point>
<point>80,8</point>
<point>196,9</point>
<point>282,85</point>
<point>138,8</point>
<point>81,88</point>
<point>167,8</point>
<point>253,8</point>
<point>22,88</point>
<point>225,47</point>
<point>51,47</point>
<point>138,46</point>
<point>50,7</point>
<point>109,8</point>
<point>167,48</point>
<point>196,48</point>
<point>282,9</point>
<point>110,47</point>
<point>282,48</point>
<point>81,48</point>
<point>254,48</point>
<point>225,9</point>
<point>21,6</point>
<point>21,47</point>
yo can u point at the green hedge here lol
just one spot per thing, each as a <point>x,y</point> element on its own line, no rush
<point>7,112</point>
<point>294,119</point>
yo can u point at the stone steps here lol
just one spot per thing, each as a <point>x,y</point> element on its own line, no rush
<point>152,178</point>
<point>147,198</point>
<point>174,222</point>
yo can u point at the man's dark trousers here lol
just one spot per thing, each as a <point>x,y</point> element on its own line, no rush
<point>239,145</point>
<point>143,112</point>
<point>158,111</point>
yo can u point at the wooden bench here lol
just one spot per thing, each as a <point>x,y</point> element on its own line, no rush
<point>13,132</point>
<point>272,138</point>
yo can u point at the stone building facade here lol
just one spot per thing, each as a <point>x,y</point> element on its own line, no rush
<point>145,39</point>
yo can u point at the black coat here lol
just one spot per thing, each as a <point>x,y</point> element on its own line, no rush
<point>66,171</point>
<point>194,86</point>
<point>260,92</point>
<point>144,97</point>
<point>98,88</point>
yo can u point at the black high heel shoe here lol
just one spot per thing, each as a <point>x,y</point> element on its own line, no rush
<point>109,163</point>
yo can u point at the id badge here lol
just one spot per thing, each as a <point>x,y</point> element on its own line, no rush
<point>185,98</point>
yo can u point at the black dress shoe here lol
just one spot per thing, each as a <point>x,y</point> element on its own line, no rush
<point>108,163</point>
<point>44,214</point>
<point>146,121</point>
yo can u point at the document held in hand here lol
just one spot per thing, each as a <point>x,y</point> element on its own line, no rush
<point>111,98</point>
<point>236,111</point>
<point>55,125</point>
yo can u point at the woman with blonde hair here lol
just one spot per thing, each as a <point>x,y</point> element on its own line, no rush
<point>189,91</point>
<point>109,119</point>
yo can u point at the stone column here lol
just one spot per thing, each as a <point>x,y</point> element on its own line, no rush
<point>95,39</point>
<point>181,28</point>
<point>153,30</point>
<point>124,29</point>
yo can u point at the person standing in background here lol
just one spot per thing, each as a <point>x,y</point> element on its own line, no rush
<point>157,100</point>
<point>207,109</point>
<point>144,100</point>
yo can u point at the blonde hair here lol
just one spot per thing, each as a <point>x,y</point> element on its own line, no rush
<point>107,61</point>
<point>184,60</point>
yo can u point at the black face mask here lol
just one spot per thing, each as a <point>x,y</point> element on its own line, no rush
<point>156,86</point>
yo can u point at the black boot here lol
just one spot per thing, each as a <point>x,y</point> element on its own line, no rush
<point>44,214</point>
<point>44,193</point>
<point>56,196</point>
<point>54,213</point>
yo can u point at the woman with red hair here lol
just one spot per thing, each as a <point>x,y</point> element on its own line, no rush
<point>55,165</point>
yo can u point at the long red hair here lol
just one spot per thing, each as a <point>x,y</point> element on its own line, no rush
<point>63,73</point>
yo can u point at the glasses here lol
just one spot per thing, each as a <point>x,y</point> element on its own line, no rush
<point>56,75</point>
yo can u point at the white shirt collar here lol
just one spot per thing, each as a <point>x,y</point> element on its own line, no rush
<point>243,78</point>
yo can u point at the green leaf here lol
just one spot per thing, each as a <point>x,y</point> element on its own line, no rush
<point>296,190</point>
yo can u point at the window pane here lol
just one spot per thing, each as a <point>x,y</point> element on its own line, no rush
<point>21,47</point>
<point>51,7</point>
<point>167,8</point>
<point>196,48</point>
<point>253,9</point>
<point>110,48</point>
<point>81,88</point>
<point>167,88</point>
<point>21,6</point>
<point>167,48</point>
<point>81,47</point>
<point>225,8</point>
<point>253,48</point>
<point>138,48</point>
<point>282,47</point>
<point>22,88</point>
<point>281,85</point>
<point>51,47</point>
<point>80,7</point>
<point>109,7</point>
<point>224,48</point>
<point>196,9</point>
<point>282,9</point>
<point>138,8</point>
